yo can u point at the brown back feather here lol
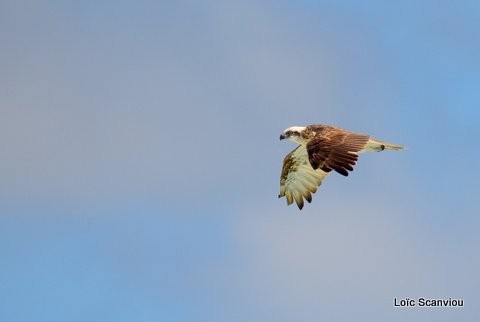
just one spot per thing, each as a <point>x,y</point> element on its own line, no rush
<point>336,149</point>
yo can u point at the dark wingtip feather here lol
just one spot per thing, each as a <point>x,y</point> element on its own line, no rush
<point>308,198</point>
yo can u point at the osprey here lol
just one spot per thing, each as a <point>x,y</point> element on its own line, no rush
<point>322,148</point>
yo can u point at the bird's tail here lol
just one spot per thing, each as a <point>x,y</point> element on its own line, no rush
<point>377,146</point>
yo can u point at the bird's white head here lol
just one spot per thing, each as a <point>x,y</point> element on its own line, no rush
<point>294,133</point>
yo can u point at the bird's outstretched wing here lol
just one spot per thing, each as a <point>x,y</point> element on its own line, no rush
<point>335,149</point>
<point>299,180</point>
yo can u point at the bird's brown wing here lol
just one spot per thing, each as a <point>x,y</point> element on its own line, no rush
<point>299,180</point>
<point>335,149</point>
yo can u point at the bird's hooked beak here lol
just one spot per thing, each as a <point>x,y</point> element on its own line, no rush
<point>282,136</point>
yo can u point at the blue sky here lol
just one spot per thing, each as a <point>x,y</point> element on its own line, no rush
<point>141,161</point>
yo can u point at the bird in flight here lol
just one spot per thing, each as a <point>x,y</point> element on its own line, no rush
<point>322,148</point>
